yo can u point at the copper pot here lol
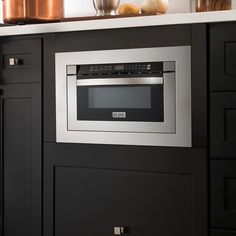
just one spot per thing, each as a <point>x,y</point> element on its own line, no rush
<point>30,11</point>
<point>213,5</point>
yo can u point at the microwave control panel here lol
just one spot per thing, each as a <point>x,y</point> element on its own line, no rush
<point>120,68</point>
<point>124,69</point>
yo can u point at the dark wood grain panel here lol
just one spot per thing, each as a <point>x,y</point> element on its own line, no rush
<point>17,166</point>
<point>223,233</point>
<point>21,154</point>
<point>141,37</point>
<point>94,201</point>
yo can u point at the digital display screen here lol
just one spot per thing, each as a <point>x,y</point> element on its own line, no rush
<point>120,67</point>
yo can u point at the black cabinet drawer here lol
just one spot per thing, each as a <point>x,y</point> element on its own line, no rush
<point>223,57</point>
<point>21,61</point>
<point>90,189</point>
<point>223,125</point>
<point>223,233</point>
<point>143,203</point>
<point>223,194</point>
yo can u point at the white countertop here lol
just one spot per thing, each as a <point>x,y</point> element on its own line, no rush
<point>140,21</point>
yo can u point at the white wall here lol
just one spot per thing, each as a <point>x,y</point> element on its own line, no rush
<point>75,8</point>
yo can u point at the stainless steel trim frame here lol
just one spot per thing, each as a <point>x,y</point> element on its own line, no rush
<point>180,136</point>
<point>71,69</point>
<point>119,81</point>
<point>169,66</point>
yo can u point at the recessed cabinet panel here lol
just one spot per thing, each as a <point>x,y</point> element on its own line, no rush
<point>230,190</point>
<point>21,158</point>
<point>223,194</point>
<point>223,125</point>
<point>230,56</point>
<point>20,61</point>
<point>143,203</point>
<point>230,127</point>
<point>17,167</point>
<point>223,57</point>
<point>223,233</point>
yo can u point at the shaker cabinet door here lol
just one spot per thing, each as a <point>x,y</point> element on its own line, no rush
<point>223,57</point>
<point>21,159</point>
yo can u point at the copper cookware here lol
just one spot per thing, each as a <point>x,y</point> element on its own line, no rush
<point>213,5</point>
<point>30,11</point>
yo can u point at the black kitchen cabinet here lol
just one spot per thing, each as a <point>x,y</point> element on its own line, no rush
<point>21,141</point>
<point>21,159</point>
<point>93,189</point>
<point>223,57</point>
<point>222,128</point>
<point>90,189</point>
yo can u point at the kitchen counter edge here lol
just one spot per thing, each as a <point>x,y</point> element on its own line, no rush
<point>126,22</point>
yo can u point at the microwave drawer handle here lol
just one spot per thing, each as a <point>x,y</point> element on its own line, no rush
<point>120,81</point>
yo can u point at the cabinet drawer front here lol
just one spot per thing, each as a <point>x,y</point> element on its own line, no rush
<point>223,194</point>
<point>21,61</point>
<point>95,201</point>
<point>223,57</point>
<point>223,233</point>
<point>223,125</point>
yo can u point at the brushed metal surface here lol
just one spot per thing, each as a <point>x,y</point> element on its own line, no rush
<point>106,7</point>
<point>169,66</point>
<point>120,81</point>
<point>71,70</point>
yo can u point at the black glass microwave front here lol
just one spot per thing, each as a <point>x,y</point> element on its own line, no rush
<point>120,92</point>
